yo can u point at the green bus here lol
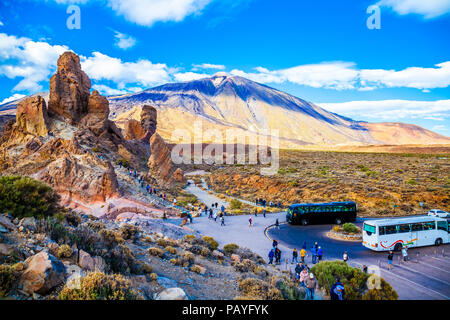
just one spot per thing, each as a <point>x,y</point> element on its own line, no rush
<point>317,213</point>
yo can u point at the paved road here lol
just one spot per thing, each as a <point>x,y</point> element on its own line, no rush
<point>426,276</point>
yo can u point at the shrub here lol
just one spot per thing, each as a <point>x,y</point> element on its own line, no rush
<point>245,266</point>
<point>205,252</point>
<point>196,269</point>
<point>256,289</point>
<point>99,286</point>
<point>153,277</point>
<point>72,218</point>
<point>157,252</point>
<point>171,250</point>
<point>189,257</point>
<point>128,231</point>
<point>349,227</point>
<point>110,238</point>
<point>122,260</point>
<point>235,204</point>
<point>337,228</point>
<point>64,251</point>
<point>230,248</point>
<point>386,292</point>
<point>8,277</point>
<point>353,279</point>
<point>189,237</point>
<point>146,268</point>
<point>124,162</point>
<point>25,197</point>
<point>212,244</point>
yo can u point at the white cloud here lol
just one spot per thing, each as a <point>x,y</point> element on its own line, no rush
<point>208,66</point>
<point>105,90</point>
<point>15,96</point>
<point>124,41</point>
<point>23,58</point>
<point>345,76</point>
<point>391,110</point>
<point>1,24</point>
<point>189,76</point>
<point>147,12</point>
<point>439,128</point>
<point>142,72</point>
<point>427,8</point>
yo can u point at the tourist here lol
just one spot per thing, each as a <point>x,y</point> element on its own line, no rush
<point>303,254</point>
<point>390,258</point>
<point>313,255</point>
<point>271,255</point>
<point>222,221</point>
<point>294,255</point>
<point>319,254</point>
<point>405,253</point>
<point>277,256</point>
<point>250,222</point>
<point>274,243</point>
<point>337,290</point>
<point>303,276</point>
<point>345,257</point>
<point>311,285</point>
<point>298,269</point>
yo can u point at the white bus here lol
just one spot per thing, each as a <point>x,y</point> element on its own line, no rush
<point>392,234</point>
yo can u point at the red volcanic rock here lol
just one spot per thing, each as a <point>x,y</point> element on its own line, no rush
<point>32,116</point>
<point>133,130</point>
<point>69,89</point>
<point>148,122</point>
<point>98,111</point>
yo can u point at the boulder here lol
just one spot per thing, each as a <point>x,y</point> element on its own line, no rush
<point>85,261</point>
<point>5,249</point>
<point>172,294</point>
<point>43,273</point>
<point>74,275</point>
<point>32,117</point>
<point>218,254</point>
<point>29,223</point>
<point>6,223</point>
<point>235,258</point>
<point>69,89</point>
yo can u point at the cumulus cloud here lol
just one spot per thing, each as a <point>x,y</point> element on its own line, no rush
<point>427,8</point>
<point>391,110</point>
<point>30,60</point>
<point>147,12</point>
<point>124,41</point>
<point>15,96</point>
<point>143,72</point>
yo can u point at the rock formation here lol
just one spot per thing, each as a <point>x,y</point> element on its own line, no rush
<point>32,116</point>
<point>148,122</point>
<point>133,130</point>
<point>97,114</point>
<point>69,89</point>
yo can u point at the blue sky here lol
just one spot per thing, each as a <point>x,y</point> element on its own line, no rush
<point>321,51</point>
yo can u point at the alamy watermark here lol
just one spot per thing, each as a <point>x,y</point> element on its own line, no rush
<point>74,20</point>
<point>236,147</point>
<point>374,20</point>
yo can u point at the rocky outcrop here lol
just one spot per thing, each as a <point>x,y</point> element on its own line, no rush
<point>148,122</point>
<point>69,89</point>
<point>32,116</point>
<point>98,111</point>
<point>160,162</point>
<point>133,130</point>
<point>172,294</point>
<point>43,273</point>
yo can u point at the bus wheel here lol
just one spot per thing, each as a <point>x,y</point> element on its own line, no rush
<point>398,247</point>
<point>438,242</point>
<point>304,222</point>
<point>338,221</point>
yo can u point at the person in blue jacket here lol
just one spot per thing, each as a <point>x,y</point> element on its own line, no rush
<point>271,255</point>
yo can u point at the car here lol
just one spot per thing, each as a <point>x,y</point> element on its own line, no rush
<point>439,213</point>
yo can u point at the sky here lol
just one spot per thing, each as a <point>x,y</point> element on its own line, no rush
<point>376,61</point>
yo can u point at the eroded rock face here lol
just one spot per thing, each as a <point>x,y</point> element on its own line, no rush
<point>148,122</point>
<point>133,130</point>
<point>160,163</point>
<point>32,116</point>
<point>43,273</point>
<point>98,111</point>
<point>69,89</point>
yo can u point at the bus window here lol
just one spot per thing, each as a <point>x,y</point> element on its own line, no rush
<point>416,227</point>
<point>391,229</point>
<point>369,229</point>
<point>429,225</point>
<point>403,228</point>
<point>442,225</point>
<point>382,231</point>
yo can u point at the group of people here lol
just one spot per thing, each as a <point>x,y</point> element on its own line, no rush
<point>263,202</point>
<point>404,252</point>
<point>306,279</point>
<point>275,252</point>
<point>316,253</point>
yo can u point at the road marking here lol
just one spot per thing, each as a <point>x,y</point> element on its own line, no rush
<point>420,262</point>
<point>424,275</point>
<point>416,284</point>
<point>440,259</point>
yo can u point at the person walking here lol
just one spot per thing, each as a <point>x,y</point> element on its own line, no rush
<point>250,222</point>
<point>215,216</point>
<point>405,253</point>
<point>303,276</point>
<point>298,269</point>
<point>256,212</point>
<point>271,255</point>
<point>264,213</point>
<point>313,255</point>
<point>319,254</point>
<point>277,224</point>
<point>295,255</point>
<point>277,256</point>
<point>337,290</point>
<point>222,221</point>
<point>345,257</point>
<point>274,244</point>
<point>303,255</point>
<point>390,258</point>
<point>311,286</point>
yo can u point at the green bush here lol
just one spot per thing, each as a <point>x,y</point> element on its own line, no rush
<point>8,277</point>
<point>230,248</point>
<point>349,227</point>
<point>212,244</point>
<point>99,286</point>
<point>23,196</point>
<point>64,251</point>
<point>386,292</point>
<point>235,204</point>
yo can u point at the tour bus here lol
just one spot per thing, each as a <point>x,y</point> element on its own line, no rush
<point>332,212</point>
<point>392,234</point>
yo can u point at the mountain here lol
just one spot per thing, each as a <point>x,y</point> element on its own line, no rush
<point>223,102</point>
